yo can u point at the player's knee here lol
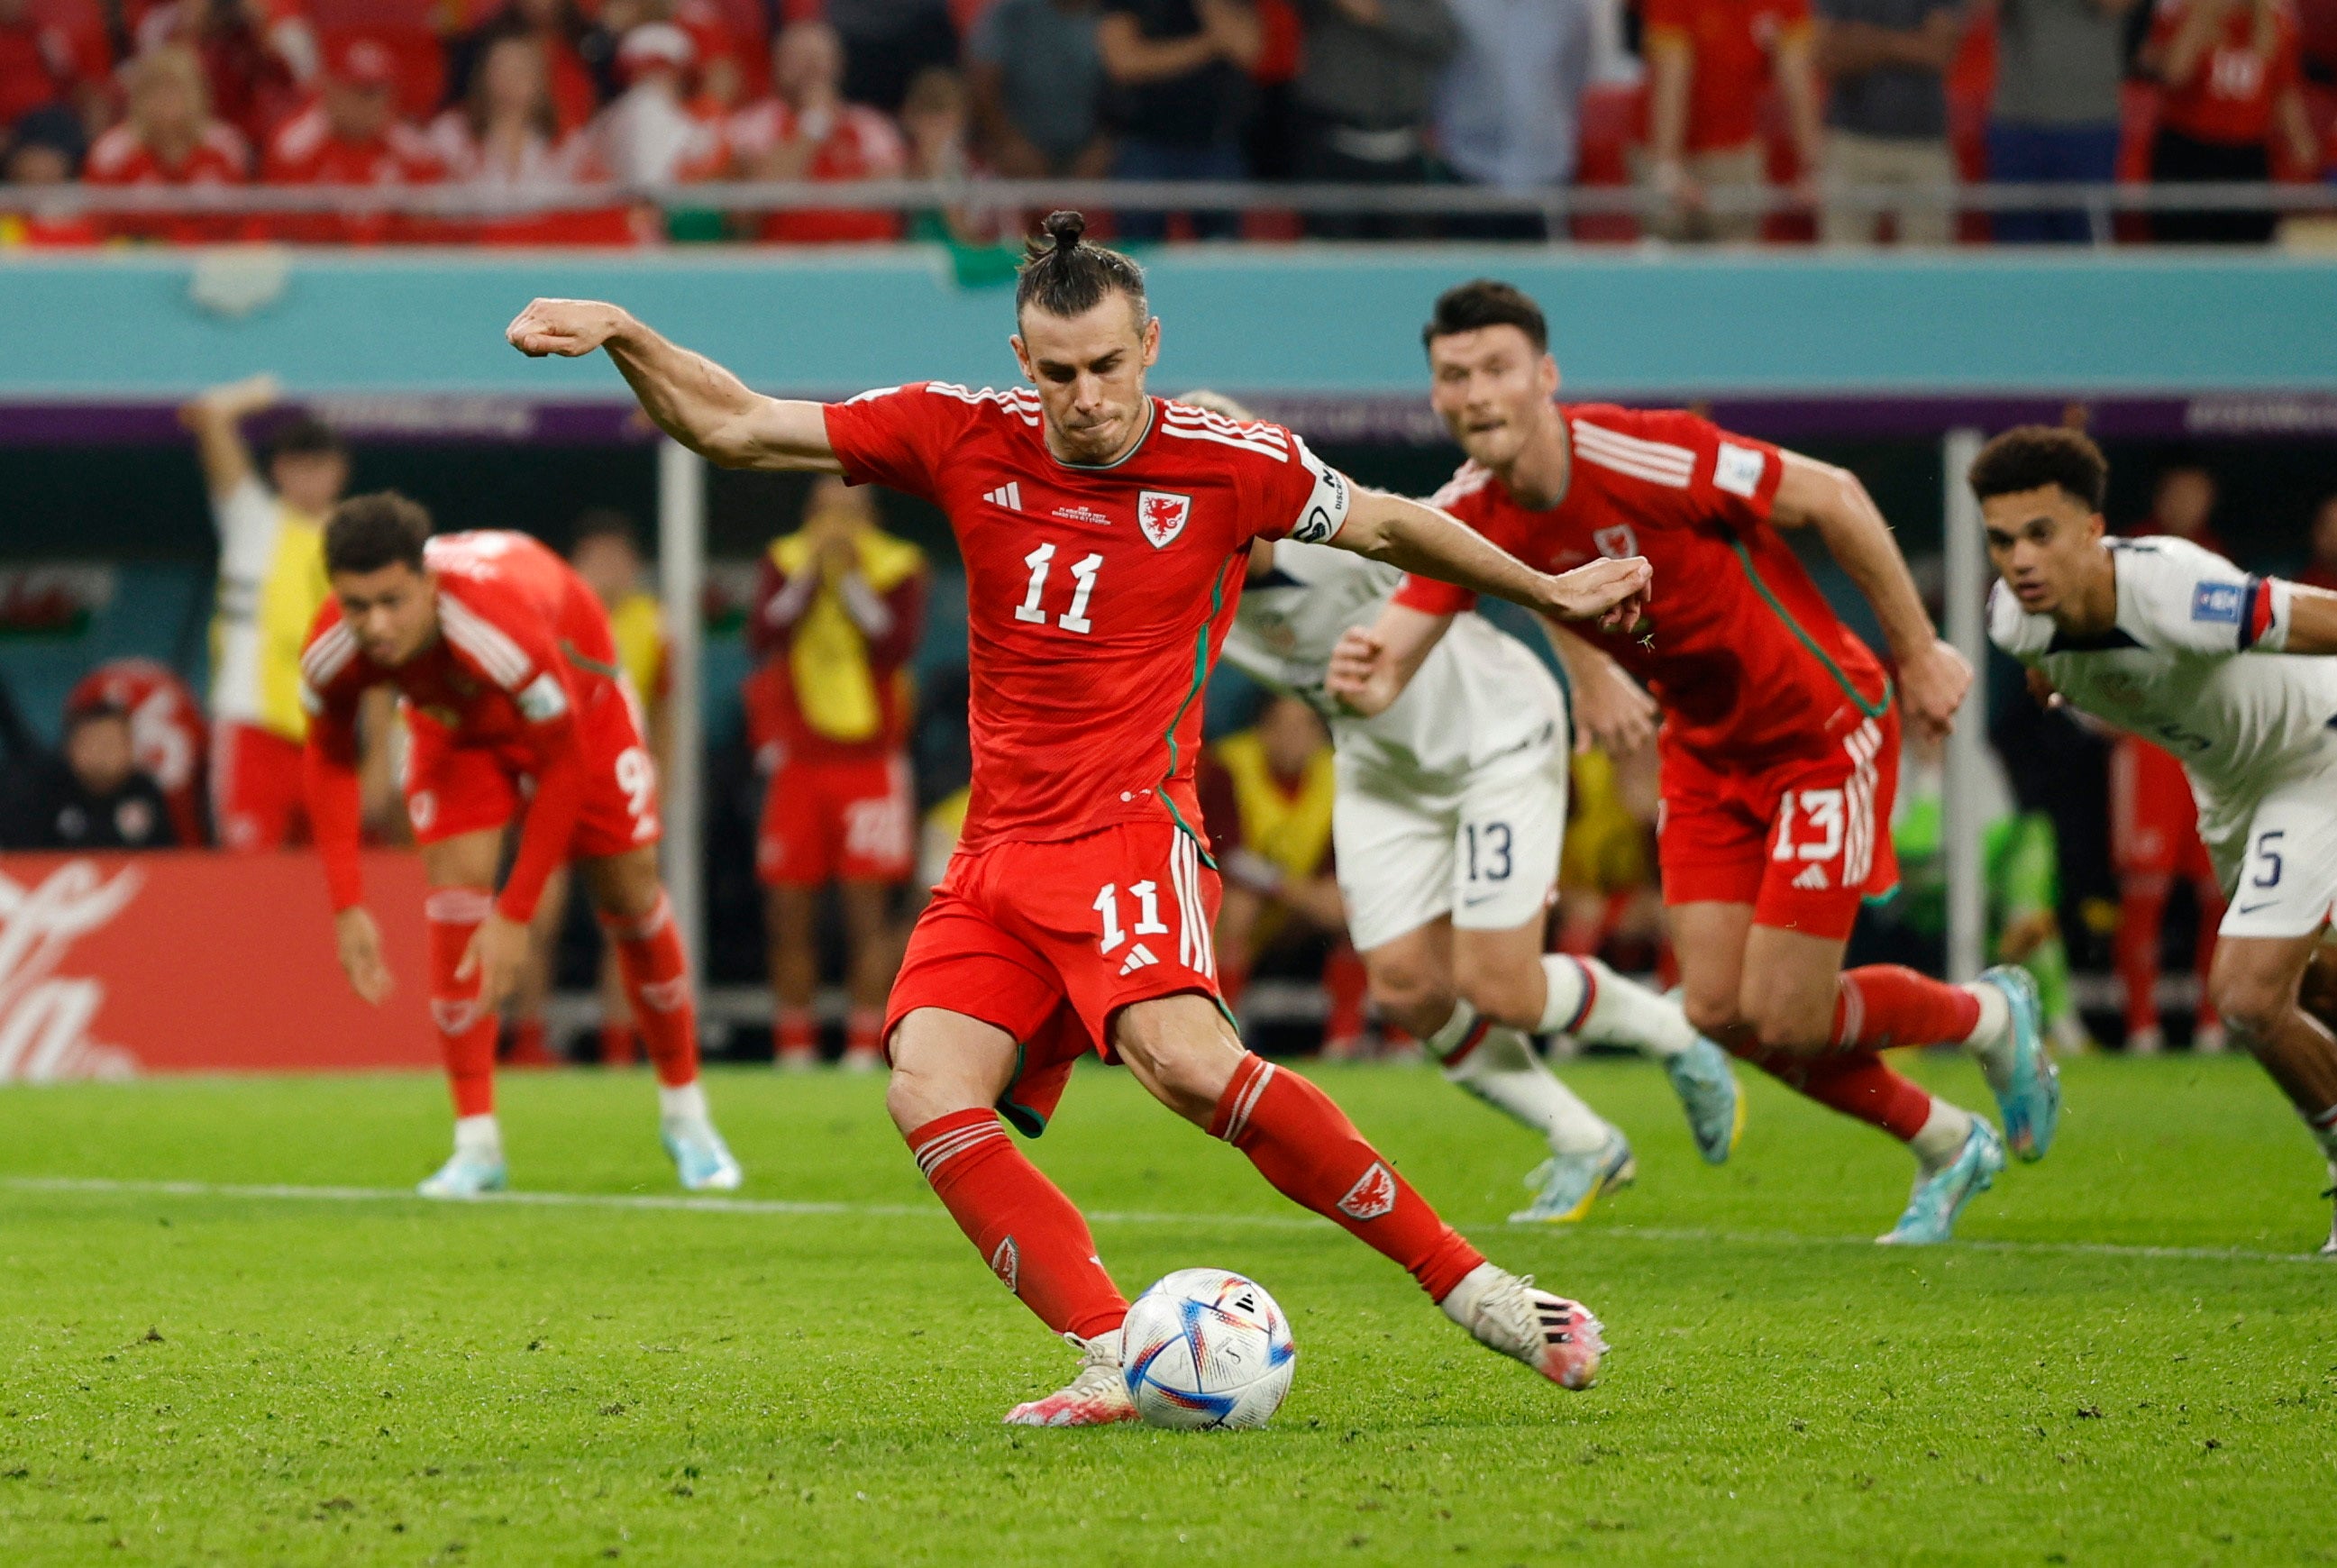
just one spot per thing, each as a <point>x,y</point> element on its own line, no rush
<point>1778,1027</point>
<point>1411,995</point>
<point>1711,1015</point>
<point>2251,1006</point>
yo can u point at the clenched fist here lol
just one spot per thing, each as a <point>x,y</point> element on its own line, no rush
<point>567,327</point>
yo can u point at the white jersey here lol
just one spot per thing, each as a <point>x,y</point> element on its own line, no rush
<point>2169,671</point>
<point>1481,694</point>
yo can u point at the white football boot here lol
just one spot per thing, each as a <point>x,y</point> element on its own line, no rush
<point>700,1158</point>
<point>1097,1398</point>
<point>2329,1247</point>
<point>465,1174</point>
<point>1556,1337</point>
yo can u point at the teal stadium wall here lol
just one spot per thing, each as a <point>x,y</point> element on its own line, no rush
<point>1326,322</point>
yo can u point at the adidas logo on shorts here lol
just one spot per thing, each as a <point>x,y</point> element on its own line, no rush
<point>1138,957</point>
<point>1813,880</point>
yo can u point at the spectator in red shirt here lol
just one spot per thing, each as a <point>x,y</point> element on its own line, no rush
<point>45,149</point>
<point>36,62</point>
<point>805,130</point>
<point>168,137</point>
<point>2321,571</point>
<point>351,136</point>
<point>1707,62</point>
<point>2233,72</point>
<point>556,26</point>
<point>259,57</point>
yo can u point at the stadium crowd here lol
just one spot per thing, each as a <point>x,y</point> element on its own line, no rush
<point>1676,97</point>
<point>857,778</point>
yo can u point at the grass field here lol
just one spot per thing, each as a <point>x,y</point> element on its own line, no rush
<point>2129,1361</point>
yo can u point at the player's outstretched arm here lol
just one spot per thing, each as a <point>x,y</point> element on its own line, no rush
<point>1932,675</point>
<point>329,783</point>
<point>2312,620</point>
<point>214,416</point>
<point>1432,543</point>
<point>691,398</point>
<point>1372,665</point>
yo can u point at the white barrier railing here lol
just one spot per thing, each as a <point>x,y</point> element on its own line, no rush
<point>1007,197</point>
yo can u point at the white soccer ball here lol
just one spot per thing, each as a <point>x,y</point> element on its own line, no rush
<point>1204,1347</point>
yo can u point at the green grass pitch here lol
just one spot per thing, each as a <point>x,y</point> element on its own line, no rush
<point>2129,1362</point>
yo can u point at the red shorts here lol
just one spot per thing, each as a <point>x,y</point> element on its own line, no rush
<point>1805,841</point>
<point>2153,821</point>
<point>453,789</point>
<point>1048,941</point>
<point>257,799</point>
<point>852,819</point>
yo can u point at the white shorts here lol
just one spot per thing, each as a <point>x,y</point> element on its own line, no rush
<point>2280,868</point>
<point>1486,853</point>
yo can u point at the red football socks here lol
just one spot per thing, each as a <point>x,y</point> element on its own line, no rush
<point>657,982</point>
<point>1306,1147</point>
<point>1025,1229</point>
<point>466,1032</point>
<point>1347,984</point>
<point>1857,1083</point>
<point>1881,1006</point>
<point>795,1035</point>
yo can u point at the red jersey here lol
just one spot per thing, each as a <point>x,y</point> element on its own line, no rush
<point>859,144</point>
<point>305,152</point>
<point>1751,664</point>
<point>1096,598</point>
<point>168,732</point>
<point>2229,96</point>
<point>37,66</point>
<point>1731,40</point>
<point>523,650</point>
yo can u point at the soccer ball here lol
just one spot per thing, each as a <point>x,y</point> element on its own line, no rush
<point>1204,1347</point>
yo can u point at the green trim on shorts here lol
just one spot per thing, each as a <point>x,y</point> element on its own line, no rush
<point>578,658</point>
<point>1022,1118</point>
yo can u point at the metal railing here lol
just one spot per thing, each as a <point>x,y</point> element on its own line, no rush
<point>1005,202</point>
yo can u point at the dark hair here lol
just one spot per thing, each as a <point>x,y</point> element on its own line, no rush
<point>305,436</point>
<point>367,532</point>
<point>1485,302</point>
<point>604,522</point>
<point>1063,275</point>
<point>2032,456</point>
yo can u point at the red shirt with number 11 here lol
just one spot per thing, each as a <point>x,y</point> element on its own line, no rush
<point>1096,597</point>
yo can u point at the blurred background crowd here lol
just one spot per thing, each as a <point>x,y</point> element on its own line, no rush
<point>578,101</point>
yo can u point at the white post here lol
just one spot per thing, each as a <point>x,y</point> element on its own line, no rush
<point>682,579</point>
<point>1966,589</point>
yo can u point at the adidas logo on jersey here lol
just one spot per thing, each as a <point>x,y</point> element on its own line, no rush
<point>1008,495</point>
<point>1138,957</point>
<point>1813,880</point>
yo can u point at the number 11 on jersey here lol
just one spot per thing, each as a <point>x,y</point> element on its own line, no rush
<point>1083,580</point>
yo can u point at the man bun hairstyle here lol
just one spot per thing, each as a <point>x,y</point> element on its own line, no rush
<point>1064,275</point>
<point>2032,456</point>
<point>368,532</point>
<point>1485,302</point>
<point>305,436</point>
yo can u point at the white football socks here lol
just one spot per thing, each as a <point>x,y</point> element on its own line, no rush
<point>1503,1070</point>
<point>1620,1012</point>
<point>686,1103</point>
<point>1943,1137</point>
<point>479,1138</point>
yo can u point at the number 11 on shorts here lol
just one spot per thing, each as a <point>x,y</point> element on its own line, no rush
<point>1147,913</point>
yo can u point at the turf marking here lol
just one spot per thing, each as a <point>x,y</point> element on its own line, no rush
<point>655,1201</point>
